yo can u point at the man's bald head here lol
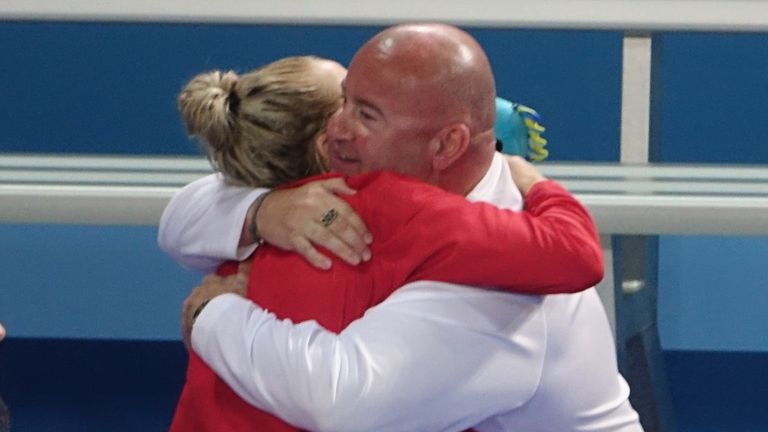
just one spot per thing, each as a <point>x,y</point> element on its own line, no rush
<point>443,62</point>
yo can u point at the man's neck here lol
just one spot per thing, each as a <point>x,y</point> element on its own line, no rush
<point>465,174</point>
<point>465,177</point>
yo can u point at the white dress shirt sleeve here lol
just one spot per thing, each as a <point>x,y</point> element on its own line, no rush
<point>201,226</point>
<point>433,356</point>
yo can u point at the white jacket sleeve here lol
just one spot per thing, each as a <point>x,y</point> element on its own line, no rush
<point>433,356</point>
<point>200,228</point>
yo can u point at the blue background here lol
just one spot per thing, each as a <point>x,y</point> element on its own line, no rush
<point>110,89</point>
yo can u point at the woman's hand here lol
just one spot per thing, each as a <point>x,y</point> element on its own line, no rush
<point>524,174</point>
<point>312,215</point>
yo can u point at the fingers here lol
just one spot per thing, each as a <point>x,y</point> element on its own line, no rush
<point>213,285</point>
<point>298,220</point>
<point>346,237</point>
<point>209,280</point>
<point>351,248</point>
<point>346,240</point>
<point>238,283</point>
<point>337,186</point>
<point>210,287</point>
<point>524,174</point>
<point>244,267</point>
<point>351,226</point>
<point>304,248</point>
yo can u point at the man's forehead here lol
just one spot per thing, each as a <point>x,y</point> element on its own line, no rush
<point>364,99</point>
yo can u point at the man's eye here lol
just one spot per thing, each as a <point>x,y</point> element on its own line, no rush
<point>366,115</point>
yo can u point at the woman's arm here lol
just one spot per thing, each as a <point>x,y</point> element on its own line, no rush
<point>206,223</point>
<point>201,226</point>
<point>428,234</point>
<point>551,247</point>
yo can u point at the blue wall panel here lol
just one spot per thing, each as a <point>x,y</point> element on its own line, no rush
<point>715,98</point>
<point>572,78</point>
<point>86,282</point>
<point>714,91</point>
<point>713,293</point>
<point>110,88</point>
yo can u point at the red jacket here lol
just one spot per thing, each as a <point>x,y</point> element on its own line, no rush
<point>420,233</point>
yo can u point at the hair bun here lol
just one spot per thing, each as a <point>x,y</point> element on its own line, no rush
<point>208,106</point>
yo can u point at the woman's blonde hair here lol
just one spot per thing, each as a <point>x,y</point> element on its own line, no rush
<point>259,129</point>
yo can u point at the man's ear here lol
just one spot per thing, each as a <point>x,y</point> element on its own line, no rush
<point>452,141</point>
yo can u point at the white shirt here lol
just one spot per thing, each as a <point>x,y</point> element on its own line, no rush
<point>200,227</point>
<point>432,357</point>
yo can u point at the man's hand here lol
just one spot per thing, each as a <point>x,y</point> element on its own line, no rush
<point>524,174</point>
<point>2,332</point>
<point>312,215</point>
<point>210,287</point>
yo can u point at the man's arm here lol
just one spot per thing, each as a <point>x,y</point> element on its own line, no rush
<point>208,222</point>
<point>406,365</point>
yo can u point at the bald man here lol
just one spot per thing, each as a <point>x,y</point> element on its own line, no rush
<point>433,356</point>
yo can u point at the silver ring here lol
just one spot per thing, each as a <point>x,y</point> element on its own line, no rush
<point>329,217</point>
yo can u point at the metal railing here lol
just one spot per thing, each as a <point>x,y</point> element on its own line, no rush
<point>624,199</point>
<point>623,15</point>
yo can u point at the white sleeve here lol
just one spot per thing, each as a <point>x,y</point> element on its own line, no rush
<point>201,225</point>
<point>433,356</point>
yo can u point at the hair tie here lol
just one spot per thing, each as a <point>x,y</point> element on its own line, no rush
<point>233,102</point>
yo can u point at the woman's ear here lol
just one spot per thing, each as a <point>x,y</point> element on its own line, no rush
<point>452,141</point>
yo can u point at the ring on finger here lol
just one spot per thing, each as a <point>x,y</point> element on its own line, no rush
<point>329,217</point>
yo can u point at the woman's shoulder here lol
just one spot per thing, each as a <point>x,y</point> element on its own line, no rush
<point>389,182</point>
<point>398,196</point>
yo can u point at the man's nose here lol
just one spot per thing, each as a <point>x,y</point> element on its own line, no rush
<point>338,126</point>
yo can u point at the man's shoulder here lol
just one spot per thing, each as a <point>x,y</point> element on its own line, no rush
<point>497,187</point>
